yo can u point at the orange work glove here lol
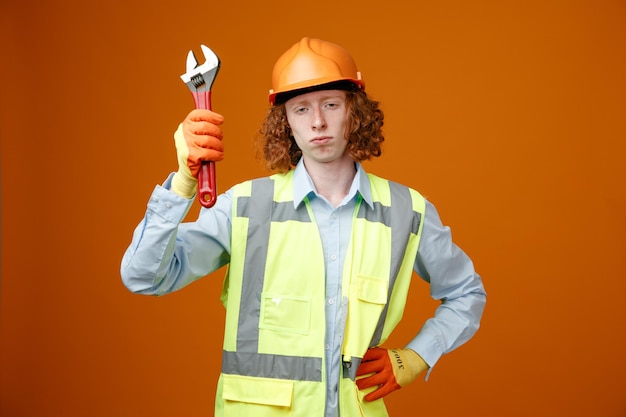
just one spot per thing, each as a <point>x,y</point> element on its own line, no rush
<point>389,369</point>
<point>198,138</point>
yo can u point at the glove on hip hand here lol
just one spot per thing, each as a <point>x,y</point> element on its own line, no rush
<point>198,138</point>
<point>389,370</point>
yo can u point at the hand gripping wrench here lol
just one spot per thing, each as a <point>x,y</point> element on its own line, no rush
<point>199,79</point>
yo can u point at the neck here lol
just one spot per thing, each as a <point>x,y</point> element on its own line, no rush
<point>332,180</point>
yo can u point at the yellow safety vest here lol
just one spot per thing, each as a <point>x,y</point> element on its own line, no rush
<point>274,294</point>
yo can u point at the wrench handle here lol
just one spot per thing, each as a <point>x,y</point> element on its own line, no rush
<point>206,184</point>
<point>207,188</point>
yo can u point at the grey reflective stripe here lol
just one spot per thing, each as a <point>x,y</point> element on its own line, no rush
<point>295,368</point>
<point>284,212</point>
<point>395,218</point>
<point>350,368</point>
<point>254,263</point>
<point>261,210</point>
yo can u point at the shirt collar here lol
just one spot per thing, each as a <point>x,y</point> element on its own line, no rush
<point>303,185</point>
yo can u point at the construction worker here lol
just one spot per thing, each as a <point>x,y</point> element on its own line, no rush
<point>320,254</point>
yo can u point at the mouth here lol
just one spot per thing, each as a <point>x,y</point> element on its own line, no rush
<point>321,140</point>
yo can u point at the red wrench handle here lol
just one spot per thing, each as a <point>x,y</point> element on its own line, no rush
<point>207,189</point>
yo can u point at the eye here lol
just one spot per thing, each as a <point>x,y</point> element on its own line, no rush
<point>332,105</point>
<point>299,109</point>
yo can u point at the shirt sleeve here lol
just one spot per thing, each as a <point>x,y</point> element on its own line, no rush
<point>166,254</point>
<point>455,283</point>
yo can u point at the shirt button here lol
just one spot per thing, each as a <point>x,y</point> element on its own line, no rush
<point>168,205</point>
<point>327,347</point>
<point>331,301</point>
<point>333,257</point>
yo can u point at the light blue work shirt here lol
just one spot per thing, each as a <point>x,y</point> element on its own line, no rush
<point>166,255</point>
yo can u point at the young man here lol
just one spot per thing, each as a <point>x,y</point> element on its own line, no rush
<point>320,255</point>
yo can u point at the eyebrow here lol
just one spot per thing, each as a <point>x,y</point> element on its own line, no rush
<point>298,102</point>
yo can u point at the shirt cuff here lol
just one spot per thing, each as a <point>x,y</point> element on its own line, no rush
<point>167,204</point>
<point>427,346</point>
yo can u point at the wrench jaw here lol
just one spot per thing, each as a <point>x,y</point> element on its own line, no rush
<point>199,78</point>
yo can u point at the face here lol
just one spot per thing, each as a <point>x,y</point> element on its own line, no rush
<point>318,122</point>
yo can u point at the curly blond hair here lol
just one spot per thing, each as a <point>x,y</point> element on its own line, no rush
<point>277,146</point>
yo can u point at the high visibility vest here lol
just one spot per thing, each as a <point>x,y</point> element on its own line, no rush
<point>273,361</point>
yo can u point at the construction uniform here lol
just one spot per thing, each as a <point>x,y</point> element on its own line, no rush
<point>276,360</point>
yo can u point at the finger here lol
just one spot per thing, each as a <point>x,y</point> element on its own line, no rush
<point>368,368</point>
<point>374,354</point>
<point>199,115</point>
<point>370,381</point>
<point>213,155</point>
<point>375,395</point>
<point>202,128</point>
<point>206,128</point>
<point>196,158</point>
<point>208,142</point>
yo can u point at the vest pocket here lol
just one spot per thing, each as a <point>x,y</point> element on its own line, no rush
<point>368,299</point>
<point>372,290</point>
<point>285,313</point>
<point>253,396</point>
<point>352,402</point>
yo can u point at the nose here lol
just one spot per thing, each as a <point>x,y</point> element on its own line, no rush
<point>318,120</point>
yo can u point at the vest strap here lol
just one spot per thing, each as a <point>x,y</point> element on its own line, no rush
<point>263,365</point>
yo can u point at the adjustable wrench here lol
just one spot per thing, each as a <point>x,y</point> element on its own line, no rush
<point>199,79</point>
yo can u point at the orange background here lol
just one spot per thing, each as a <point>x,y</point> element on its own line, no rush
<point>509,116</point>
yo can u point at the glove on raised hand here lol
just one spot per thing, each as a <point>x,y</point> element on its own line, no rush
<point>389,369</point>
<point>198,138</point>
